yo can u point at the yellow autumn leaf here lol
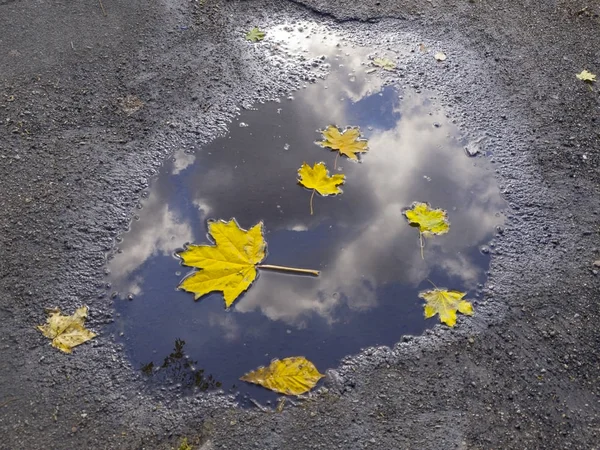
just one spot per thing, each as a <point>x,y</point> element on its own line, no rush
<point>384,63</point>
<point>228,266</point>
<point>255,35</point>
<point>66,332</point>
<point>429,221</point>
<point>318,179</point>
<point>291,376</point>
<point>445,303</point>
<point>347,143</point>
<point>586,75</point>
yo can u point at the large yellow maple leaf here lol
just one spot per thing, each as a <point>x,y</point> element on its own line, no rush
<point>318,179</point>
<point>66,332</point>
<point>291,376</point>
<point>230,264</point>
<point>347,143</point>
<point>445,303</point>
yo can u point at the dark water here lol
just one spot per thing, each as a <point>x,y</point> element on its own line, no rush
<point>369,256</point>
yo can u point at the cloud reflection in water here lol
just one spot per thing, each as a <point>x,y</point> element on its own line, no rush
<point>369,256</point>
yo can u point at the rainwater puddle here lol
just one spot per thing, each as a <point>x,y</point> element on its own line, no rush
<point>372,270</point>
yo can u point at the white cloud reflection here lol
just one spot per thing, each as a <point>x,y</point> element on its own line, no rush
<point>161,232</point>
<point>181,161</point>
<point>385,249</point>
<point>249,176</point>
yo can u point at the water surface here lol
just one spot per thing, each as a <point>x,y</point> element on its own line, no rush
<point>372,270</point>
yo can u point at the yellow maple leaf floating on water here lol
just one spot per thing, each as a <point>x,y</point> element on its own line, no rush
<point>586,75</point>
<point>318,179</point>
<point>66,332</point>
<point>430,221</point>
<point>291,376</point>
<point>445,303</point>
<point>230,264</point>
<point>347,143</point>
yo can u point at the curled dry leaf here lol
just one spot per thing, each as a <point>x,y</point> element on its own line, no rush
<point>445,303</point>
<point>228,266</point>
<point>586,75</point>
<point>255,35</point>
<point>66,332</point>
<point>290,376</point>
<point>440,56</point>
<point>318,179</point>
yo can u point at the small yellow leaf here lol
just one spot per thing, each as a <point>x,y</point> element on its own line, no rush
<point>229,265</point>
<point>440,56</point>
<point>291,376</point>
<point>586,75</point>
<point>318,179</point>
<point>66,332</point>
<point>280,405</point>
<point>384,63</point>
<point>346,143</point>
<point>184,445</point>
<point>255,35</point>
<point>429,221</point>
<point>445,303</point>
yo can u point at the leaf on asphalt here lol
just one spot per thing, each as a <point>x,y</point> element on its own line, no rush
<point>429,221</point>
<point>280,405</point>
<point>423,48</point>
<point>255,35</point>
<point>229,266</point>
<point>347,142</point>
<point>384,63</point>
<point>290,376</point>
<point>66,332</point>
<point>184,445</point>
<point>586,75</point>
<point>440,56</point>
<point>445,303</point>
<point>318,179</point>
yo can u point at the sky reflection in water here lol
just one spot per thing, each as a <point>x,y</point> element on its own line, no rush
<point>370,260</point>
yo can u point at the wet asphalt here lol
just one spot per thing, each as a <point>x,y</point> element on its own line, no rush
<point>94,97</point>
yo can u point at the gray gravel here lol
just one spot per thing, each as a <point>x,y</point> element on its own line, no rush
<point>524,373</point>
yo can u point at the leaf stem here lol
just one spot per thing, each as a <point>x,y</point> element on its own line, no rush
<point>315,273</point>
<point>432,283</point>
<point>311,202</point>
<point>421,242</point>
<point>335,162</point>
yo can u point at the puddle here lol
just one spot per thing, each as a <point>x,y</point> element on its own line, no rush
<point>369,256</point>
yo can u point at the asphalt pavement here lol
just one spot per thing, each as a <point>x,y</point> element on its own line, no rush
<point>95,95</point>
